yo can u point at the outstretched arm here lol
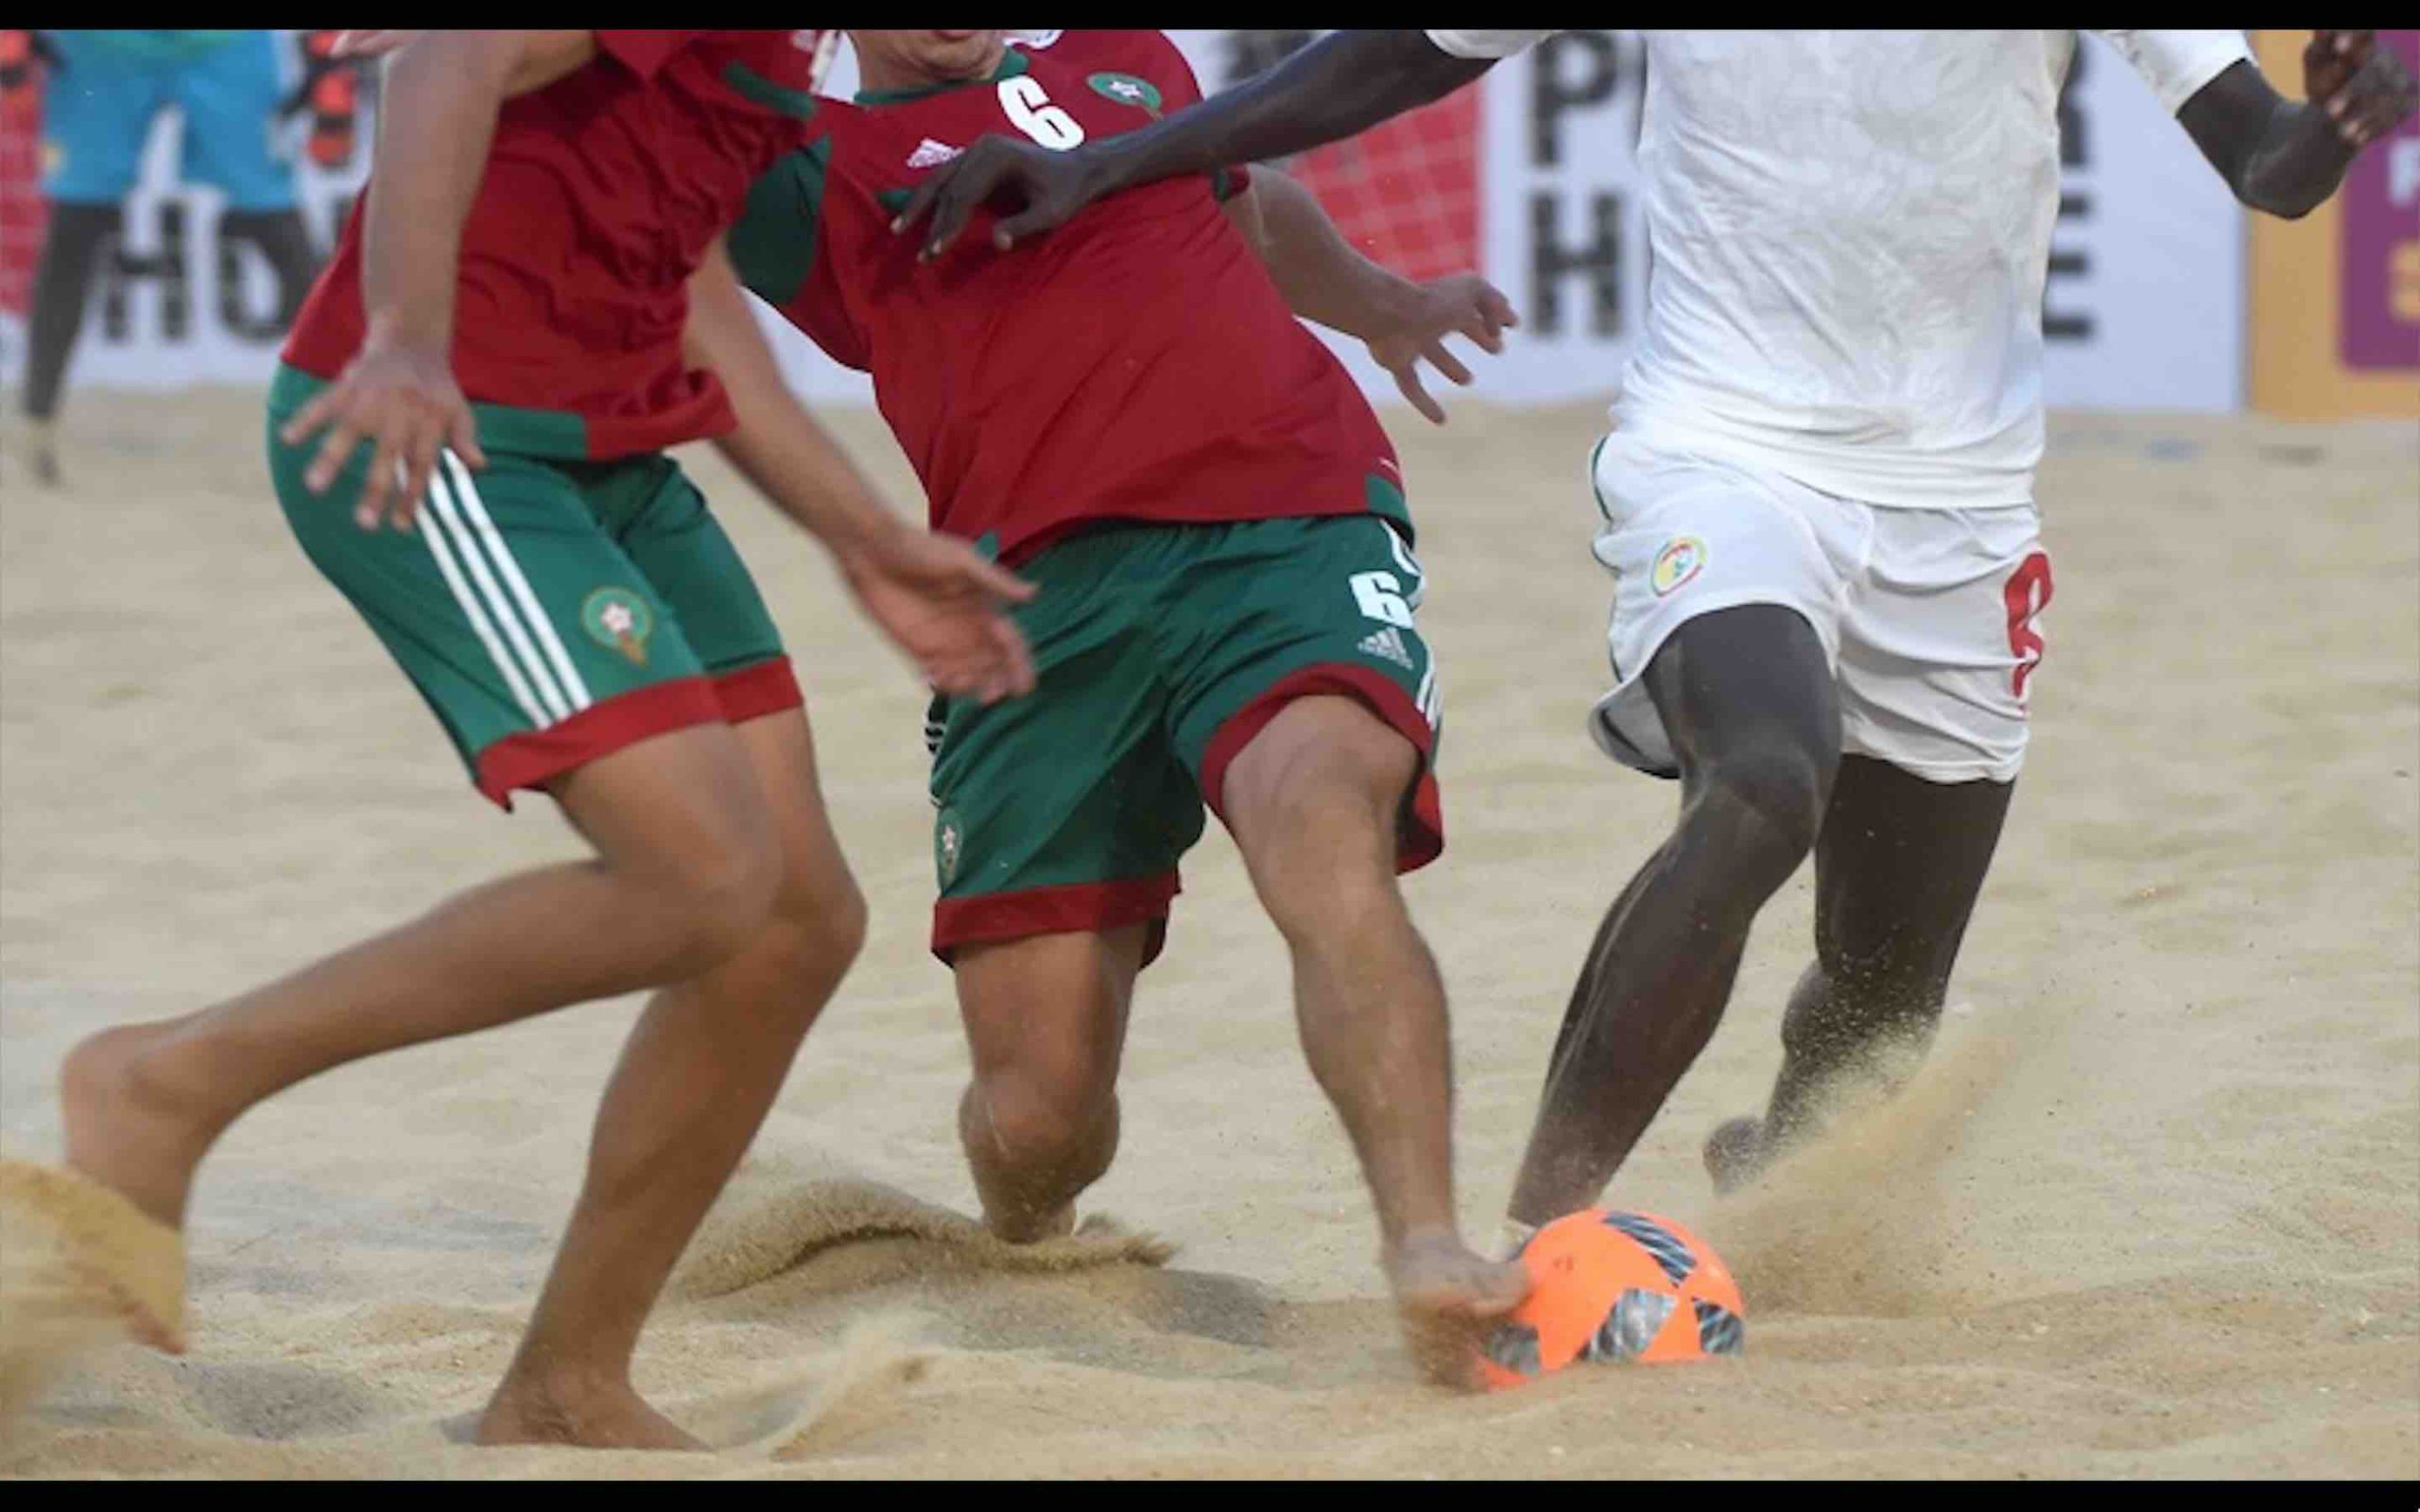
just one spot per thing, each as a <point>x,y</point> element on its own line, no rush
<point>1340,85</point>
<point>2286,159</point>
<point>442,93</point>
<point>932,596</point>
<point>1324,280</point>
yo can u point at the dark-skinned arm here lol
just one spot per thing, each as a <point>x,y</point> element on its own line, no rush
<point>1340,85</point>
<point>2284,157</point>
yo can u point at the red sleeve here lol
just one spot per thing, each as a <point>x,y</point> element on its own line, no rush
<point>642,52</point>
<point>1150,57</point>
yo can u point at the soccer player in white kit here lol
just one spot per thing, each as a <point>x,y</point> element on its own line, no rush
<point>1817,494</point>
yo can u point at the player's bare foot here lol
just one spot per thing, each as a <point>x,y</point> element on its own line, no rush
<point>584,1414</point>
<point>1734,1154</point>
<point>124,1129</point>
<point>1445,1293</point>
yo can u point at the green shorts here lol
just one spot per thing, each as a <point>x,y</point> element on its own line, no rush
<point>550,612</point>
<point>1162,650</point>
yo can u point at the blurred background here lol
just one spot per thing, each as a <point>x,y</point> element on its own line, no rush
<point>2162,294</point>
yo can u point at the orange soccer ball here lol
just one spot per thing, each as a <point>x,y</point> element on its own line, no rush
<point>1617,1286</point>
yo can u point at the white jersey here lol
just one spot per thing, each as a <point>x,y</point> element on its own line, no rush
<point>1847,234</point>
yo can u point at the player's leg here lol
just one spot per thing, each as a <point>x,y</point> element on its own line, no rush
<point>1059,820</point>
<point>1746,695</point>
<point>1045,1023</point>
<point>708,1057</point>
<point>1898,867</point>
<point>702,1069</point>
<point>1937,661</point>
<point>230,99</point>
<point>1727,583</point>
<point>1307,705</point>
<point>482,607</point>
<point>96,110</point>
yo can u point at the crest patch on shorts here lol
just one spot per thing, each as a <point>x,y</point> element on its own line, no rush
<point>949,844</point>
<point>1681,559</point>
<point>621,620</point>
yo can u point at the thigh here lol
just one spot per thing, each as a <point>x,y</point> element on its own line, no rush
<point>1898,865</point>
<point>538,645</point>
<point>1261,615</point>
<point>1942,643</point>
<point>1688,536</point>
<point>1753,677</point>
<point>1063,811</point>
<point>1051,1007</point>
<point>97,114</point>
<point>660,521</point>
<point>230,98</point>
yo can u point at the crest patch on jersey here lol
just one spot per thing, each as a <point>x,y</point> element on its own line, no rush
<point>1127,90</point>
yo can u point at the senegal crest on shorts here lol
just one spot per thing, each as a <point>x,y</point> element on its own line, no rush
<point>1677,563</point>
<point>619,620</point>
<point>1127,90</point>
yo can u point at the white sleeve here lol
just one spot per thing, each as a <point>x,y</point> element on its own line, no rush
<point>1486,43</point>
<point>2177,64</point>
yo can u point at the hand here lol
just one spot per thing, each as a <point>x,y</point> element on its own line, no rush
<point>1043,188</point>
<point>941,602</point>
<point>1465,303</point>
<point>2364,88</point>
<point>402,399</point>
<point>369,44</point>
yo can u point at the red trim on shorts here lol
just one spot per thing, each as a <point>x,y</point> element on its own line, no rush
<point>1074,908</point>
<point>533,757</point>
<point>1423,834</point>
<point>759,689</point>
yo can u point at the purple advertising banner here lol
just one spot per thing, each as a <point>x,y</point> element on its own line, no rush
<point>2380,317</point>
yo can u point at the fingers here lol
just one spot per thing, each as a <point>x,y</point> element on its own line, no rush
<point>1015,655</point>
<point>1024,225</point>
<point>948,197</point>
<point>463,435</point>
<point>2373,101</point>
<point>1444,360</point>
<point>334,453</point>
<point>1407,380</point>
<point>997,582</point>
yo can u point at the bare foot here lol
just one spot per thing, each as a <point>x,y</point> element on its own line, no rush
<point>1445,1293</point>
<point>526,1410</point>
<point>1734,1154</point>
<point>123,1132</point>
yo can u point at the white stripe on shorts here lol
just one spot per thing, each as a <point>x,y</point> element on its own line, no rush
<point>469,494</point>
<point>441,504</point>
<point>435,535</point>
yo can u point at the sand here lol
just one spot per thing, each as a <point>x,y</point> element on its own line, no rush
<point>2153,1210</point>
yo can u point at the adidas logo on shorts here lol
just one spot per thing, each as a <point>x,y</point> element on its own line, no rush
<point>931,154</point>
<point>1387,646</point>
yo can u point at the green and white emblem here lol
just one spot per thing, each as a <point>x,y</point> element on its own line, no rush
<point>949,844</point>
<point>619,620</point>
<point>1127,90</point>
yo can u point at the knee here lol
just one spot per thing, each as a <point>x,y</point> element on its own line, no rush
<point>1041,1116</point>
<point>717,898</point>
<point>1321,833</point>
<point>820,929</point>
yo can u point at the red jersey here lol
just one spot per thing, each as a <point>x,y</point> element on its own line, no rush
<point>602,192</point>
<point>1135,363</point>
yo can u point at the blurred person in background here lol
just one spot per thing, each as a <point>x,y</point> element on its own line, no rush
<point>103,93</point>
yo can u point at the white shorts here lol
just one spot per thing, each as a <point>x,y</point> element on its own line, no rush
<point>1930,618</point>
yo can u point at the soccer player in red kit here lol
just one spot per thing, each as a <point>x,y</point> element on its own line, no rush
<point>1132,415</point>
<point>542,228</point>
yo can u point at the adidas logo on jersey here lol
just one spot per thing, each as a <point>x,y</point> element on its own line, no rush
<point>1387,646</point>
<point>931,154</point>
